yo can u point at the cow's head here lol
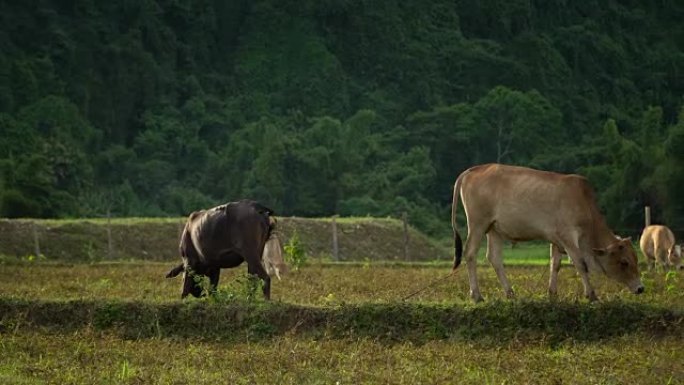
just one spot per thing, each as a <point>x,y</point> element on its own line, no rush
<point>674,257</point>
<point>190,283</point>
<point>619,262</point>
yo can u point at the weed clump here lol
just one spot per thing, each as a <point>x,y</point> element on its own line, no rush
<point>295,255</point>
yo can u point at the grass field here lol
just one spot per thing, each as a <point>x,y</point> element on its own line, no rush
<point>328,323</point>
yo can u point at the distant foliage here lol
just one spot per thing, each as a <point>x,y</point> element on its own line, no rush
<point>156,107</point>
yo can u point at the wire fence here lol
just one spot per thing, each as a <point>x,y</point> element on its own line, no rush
<point>108,238</point>
<point>114,238</point>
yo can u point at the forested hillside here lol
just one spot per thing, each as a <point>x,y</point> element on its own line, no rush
<point>318,107</point>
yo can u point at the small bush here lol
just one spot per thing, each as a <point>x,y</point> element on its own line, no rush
<point>670,281</point>
<point>249,287</point>
<point>295,255</point>
<point>245,287</point>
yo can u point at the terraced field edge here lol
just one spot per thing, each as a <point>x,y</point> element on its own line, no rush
<point>496,321</point>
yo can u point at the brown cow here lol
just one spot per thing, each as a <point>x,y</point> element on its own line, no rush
<point>658,246</point>
<point>224,237</point>
<point>520,204</point>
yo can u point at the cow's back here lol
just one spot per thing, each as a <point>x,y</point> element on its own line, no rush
<point>249,223</point>
<point>525,204</point>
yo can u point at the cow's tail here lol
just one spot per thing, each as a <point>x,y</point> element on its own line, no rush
<point>458,243</point>
<point>272,224</point>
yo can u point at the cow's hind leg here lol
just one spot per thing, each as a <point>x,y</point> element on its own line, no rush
<point>255,267</point>
<point>494,248</point>
<point>472,245</point>
<point>556,256</point>
<point>661,260</point>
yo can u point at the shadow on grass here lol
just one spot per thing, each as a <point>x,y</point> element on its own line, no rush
<point>493,322</point>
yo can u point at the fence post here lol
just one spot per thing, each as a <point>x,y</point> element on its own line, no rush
<point>335,247</point>
<point>36,242</point>
<point>404,218</point>
<point>110,246</point>
<point>647,216</point>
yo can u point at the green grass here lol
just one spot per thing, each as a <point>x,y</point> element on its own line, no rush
<point>122,323</point>
<point>95,358</point>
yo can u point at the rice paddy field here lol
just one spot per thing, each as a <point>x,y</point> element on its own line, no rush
<point>335,323</point>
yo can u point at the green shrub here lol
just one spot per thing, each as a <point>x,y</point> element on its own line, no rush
<point>295,255</point>
<point>245,287</point>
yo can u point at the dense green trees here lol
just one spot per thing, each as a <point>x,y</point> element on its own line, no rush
<point>340,106</point>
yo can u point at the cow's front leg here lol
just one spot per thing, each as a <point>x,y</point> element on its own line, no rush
<point>213,280</point>
<point>583,270</point>
<point>589,292</point>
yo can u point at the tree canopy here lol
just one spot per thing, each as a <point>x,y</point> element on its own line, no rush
<point>351,107</point>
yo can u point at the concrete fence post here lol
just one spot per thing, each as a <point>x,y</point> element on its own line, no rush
<point>110,243</point>
<point>335,246</point>
<point>36,240</point>
<point>404,218</point>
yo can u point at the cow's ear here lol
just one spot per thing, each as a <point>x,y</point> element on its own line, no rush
<point>600,252</point>
<point>627,240</point>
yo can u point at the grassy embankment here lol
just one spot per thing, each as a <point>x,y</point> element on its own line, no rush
<point>156,239</point>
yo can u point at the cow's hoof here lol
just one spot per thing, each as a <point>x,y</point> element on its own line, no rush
<point>592,297</point>
<point>553,295</point>
<point>510,294</point>
<point>476,297</point>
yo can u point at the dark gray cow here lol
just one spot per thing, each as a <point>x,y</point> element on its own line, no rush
<point>224,237</point>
